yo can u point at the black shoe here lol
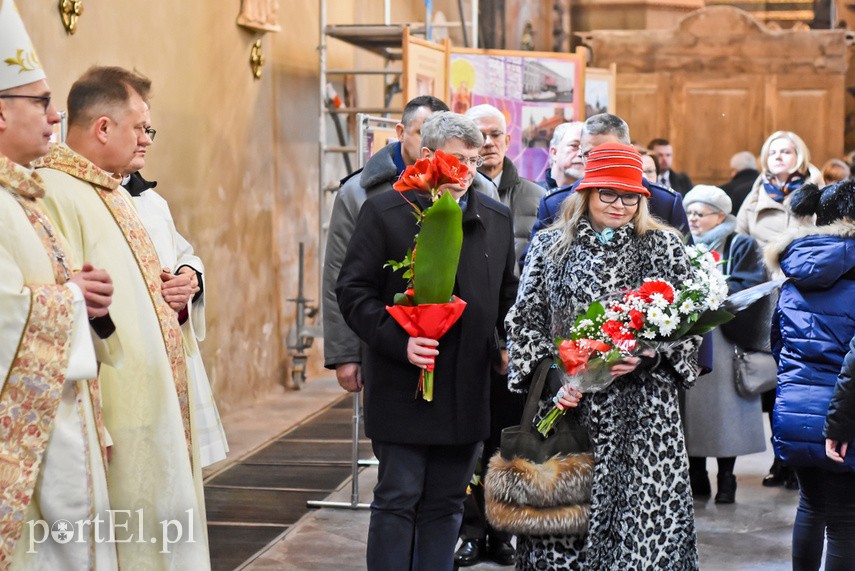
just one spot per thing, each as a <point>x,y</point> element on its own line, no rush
<point>777,475</point>
<point>502,552</point>
<point>792,482</point>
<point>700,483</point>
<point>470,552</point>
<point>726,493</point>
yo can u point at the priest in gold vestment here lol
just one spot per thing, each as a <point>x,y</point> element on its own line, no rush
<point>52,443</point>
<point>155,474</point>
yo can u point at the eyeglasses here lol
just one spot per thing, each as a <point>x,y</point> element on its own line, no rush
<point>699,214</point>
<point>471,161</point>
<point>148,131</point>
<point>45,99</point>
<point>610,197</point>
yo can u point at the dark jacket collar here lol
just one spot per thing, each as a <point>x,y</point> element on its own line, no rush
<point>381,167</point>
<point>473,204</point>
<point>510,176</point>
<point>136,185</point>
<point>747,174</point>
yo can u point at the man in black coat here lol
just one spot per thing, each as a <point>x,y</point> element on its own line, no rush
<point>668,177</point>
<point>427,450</point>
<point>743,170</point>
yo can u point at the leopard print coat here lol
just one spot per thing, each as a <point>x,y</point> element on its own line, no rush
<point>641,508</point>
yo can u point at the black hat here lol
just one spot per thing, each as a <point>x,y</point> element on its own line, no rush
<point>830,204</point>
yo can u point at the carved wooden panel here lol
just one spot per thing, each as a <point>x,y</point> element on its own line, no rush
<point>710,120</point>
<point>720,82</point>
<point>641,103</point>
<point>814,110</point>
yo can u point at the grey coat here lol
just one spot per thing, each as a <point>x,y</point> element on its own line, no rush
<point>522,197</point>
<point>718,421</point>
<point>341,344</point>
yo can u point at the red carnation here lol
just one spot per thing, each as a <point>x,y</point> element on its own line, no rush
<point>612,328</point>
<point>573,356</point>
<point>715,256</point>
<point>636,319</point>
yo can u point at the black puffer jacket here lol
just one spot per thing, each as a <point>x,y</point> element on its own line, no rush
<point>840,422</point>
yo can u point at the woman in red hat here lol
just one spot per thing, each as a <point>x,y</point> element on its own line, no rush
<point>606,241</point>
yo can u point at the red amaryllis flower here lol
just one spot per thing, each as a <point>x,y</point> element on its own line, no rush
<point>450,170</point>
<point>419,176</point>
<point>647,290</point>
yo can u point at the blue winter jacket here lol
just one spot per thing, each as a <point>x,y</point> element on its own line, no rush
<point>811,329</point>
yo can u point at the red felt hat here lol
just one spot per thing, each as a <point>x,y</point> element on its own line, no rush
<point>616,166</point>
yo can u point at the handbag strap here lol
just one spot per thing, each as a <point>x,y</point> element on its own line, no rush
<point>535,390</point>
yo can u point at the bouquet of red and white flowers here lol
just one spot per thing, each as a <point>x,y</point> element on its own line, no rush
<point>656,314</point>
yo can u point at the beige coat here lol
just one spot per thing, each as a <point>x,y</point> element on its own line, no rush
<point>763,218</point>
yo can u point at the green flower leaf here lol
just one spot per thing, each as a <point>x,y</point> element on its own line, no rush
<point>437,251</point>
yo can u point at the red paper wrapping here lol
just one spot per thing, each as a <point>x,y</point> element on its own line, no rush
<point>431,320</point>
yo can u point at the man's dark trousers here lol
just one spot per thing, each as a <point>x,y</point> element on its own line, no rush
<point>418,505</point>
<point>505,410</point>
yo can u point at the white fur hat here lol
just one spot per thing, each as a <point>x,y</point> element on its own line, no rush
<point>708,194</point>
<point>19,64</point>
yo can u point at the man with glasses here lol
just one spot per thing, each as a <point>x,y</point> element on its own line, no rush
<point>155,467</point>
<point>184,290</point>
<point>341,345</point>
<point>50,435</point>
<point>427,450</point>
<point>520,195</point>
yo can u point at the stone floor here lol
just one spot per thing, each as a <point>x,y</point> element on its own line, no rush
<point>751,535</point>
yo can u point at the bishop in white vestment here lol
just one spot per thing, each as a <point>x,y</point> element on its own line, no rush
<point>52,442</point>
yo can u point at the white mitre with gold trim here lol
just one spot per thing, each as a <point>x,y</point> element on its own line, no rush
<point>19,64</point>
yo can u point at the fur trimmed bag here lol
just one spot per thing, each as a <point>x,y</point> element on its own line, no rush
<point>536,485</point>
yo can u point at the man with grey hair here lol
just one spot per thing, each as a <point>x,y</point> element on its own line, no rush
<point>522,198</point>
<point>743,173</point>
<point>341,345</point>
<point>664,203</point>
<point>520,195</point>
<point>565,163</point>
<point>427,450</point>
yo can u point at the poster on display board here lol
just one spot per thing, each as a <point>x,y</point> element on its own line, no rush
<point>424,67</point>
<point>600,90</point>
<point>536,91</point>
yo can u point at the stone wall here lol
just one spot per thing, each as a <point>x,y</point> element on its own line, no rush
<point>236,158</point>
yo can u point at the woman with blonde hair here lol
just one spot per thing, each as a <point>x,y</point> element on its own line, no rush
<point>606,241</point>
<point>785,164</point>
<point>785,167</point>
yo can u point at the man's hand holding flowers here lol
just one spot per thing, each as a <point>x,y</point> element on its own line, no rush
<point>422,351</point>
